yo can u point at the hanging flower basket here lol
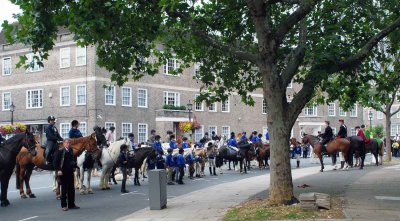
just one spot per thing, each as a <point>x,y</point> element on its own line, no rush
<point>185,126</point>
<point>195,124</point>
<point>12,129</point>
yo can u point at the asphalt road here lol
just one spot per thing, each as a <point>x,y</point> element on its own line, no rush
<point>104,204</point>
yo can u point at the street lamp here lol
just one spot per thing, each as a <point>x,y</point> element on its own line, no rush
<point>12,107</point>
<point>189,107</point>
<point>370,119</point>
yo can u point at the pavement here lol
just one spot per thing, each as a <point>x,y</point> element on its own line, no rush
<point>370,194</point>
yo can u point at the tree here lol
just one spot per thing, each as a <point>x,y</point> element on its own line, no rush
<point>241,46</point>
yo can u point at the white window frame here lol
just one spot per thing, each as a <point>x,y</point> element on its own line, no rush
<point>226,134</point>
<point>146,102</point>
<point>64,133</point>
<point>353,132</point>
<point>379,115</point>
<point>129,129</point>
<point>264,131</point>
<point>40,94</point>
<point>334,130</point>
<point>67,51</point>
<point>4,66</point>
<point>177,98</point>
<point>196,69</point>
<point>215,107</point>
<point>228,104</point>
<point>166,69</point>
<point>199,134</point>
<point>147,132</point>
<point>130,96</point>
<point>264,106</point>
<point>353,112</point>
<point>314,110</point>
<point>106,90</point>
<point>61,96</point>
<point>83,129</point>
<point>77,100</point>
<point>342,113</point>
<point>4,108</point>
<point>210,131</point>
<point>78,49</point>
<point>195,104</point>
<point>111,124</point>
<point>334,110</point>
<point>36,67</point>
<point>398,114</point>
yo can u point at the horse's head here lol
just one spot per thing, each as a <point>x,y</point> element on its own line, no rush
<point>92,147</point>
<point>101,140</point>
<point>29,142</point>
<point>305,139</point>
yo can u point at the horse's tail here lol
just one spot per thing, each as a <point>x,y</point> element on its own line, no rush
<point>17,171</point>
<point>350,152</point>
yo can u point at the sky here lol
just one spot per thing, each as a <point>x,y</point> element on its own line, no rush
<point>7,9</point>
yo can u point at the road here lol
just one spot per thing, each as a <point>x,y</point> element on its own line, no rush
<point>106,204</point>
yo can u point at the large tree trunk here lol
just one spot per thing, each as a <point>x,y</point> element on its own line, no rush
<point>387,136</point>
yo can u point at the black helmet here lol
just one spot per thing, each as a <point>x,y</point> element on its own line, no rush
<point>50,118</point>
<point>95,127</point>
<point>170,150</point>
<point>206,134</point>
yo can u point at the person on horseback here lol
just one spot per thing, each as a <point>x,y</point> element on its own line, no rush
<point>74,132</point>
<point>131,137</point>
<point>167,138</point>
<point>206,138</point>
<point>343,129</point>
<point>157,145</point>
<point>232,141</point>
<point>172,142</point>
<point>152,138</point>
<point>123,162</point>
<point>360,133</point>
<point>254,138</point>
<point>214,136</point>
<point>243,137</point>
<point>110,135</point>
<point>53,137</point>
<point>267,137</point>
<point>326,136</point>
<point>185,144</point>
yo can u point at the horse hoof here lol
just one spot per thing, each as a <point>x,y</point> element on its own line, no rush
<point>23,196</point>
<point>103,188</point>
<point>321,171</point>
<point>4,204</point>
<point>90,192</point>
<point>32,195</point>
<point>361,168</point>
<point>108,188</point>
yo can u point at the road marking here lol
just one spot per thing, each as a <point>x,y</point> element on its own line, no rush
<point>33,217</point>
<point>387,198</point>
<point>132,193</point>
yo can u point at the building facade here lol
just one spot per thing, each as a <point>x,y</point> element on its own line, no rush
<point>71,86</point>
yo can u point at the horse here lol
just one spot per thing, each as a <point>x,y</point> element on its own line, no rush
<point>228,153</point>
<point>263,154</point>
<point>200,159</point>
<point>136,160</point>
<point>334,146</point>
<point>86,160</point>
<point>357,145</point>
<point>374,148</point>
<point>108,159</point>
<point>249,152</point>
<point>26,162</point>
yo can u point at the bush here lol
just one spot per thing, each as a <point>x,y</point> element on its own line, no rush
<point>173,107</point>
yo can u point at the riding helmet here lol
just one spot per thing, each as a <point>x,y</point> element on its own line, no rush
<point>50,118</point>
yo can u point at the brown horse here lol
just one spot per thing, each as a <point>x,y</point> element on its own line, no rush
<point>26,161</point>
<point>334,146</point>
<point>263,153</point>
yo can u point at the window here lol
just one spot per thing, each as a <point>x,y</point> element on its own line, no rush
<point>142,133</point>
<point>211,129</point>
<point>33,63</point>
<point>398,114</point>
<point>225,106</point>
<point>65,54</point>
<point>353,132</point>
<point>126,96</point>
<point>64,96</point>
<point>34,99</point>
<point>64,130</point>
<point>331,110</point>
<point>80,56</point>
<point>126,129</point>
<point>171,98</point>
<point>170,66</point>
<point>310,111</point>
<point>353,112</point>
<point>342,113</point>
<point>264,107</point>
<point>83,128</point>
<point>379,115</point>
<point>197,69</point>
<point>6,101</point>
<point>198,134</point>
<point>110,95</point>
<point>264,131</point>
<point>212,107</point>
<point>394,129</point>
<point>142,98</point>
<point>334,130</point>
<point>111,124</point>
<point>6,66</point>
<point>198,106</point>
<point>290,85</point>
<point>80,94</point>
<point>226,130</point>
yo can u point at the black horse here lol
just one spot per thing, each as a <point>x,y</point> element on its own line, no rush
<point>8,153</point>
<point>226,153</point>
<point>136,160</point>
<point>357,147</point>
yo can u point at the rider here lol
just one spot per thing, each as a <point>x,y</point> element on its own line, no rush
<point>52,136</point>
<point>362,133</point>
<point>157,145</point>
<point>254,138</point>
<point>232,141</point>
<point>172,142</point>
<point>74,132</point>
<point>206,137</point>
<point>185,144</point>
<point>131,137</point>
<point>326,136</point>
<point>214,136</point>
<point>243,137</point>
<point>110,135</point>
<point>343,130</point>
<point>152,138</point>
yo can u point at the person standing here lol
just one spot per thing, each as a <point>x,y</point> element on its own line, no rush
<point>167,138</point>
<point>297,152</point>
<point>342,134</point>
<point>52,137</point>
<point>74,132</point>
<point>181,165</point>
<point>123,163</point>
<point>65,166</point>
<point>170,166</point>
<point>152,138</point>
<point>110,136</point>
<point>211,159</point>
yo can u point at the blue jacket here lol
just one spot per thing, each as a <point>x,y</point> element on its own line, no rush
<point>232,142</point>
<point>157,146</point>
<point>160,162</point>
<point>189,159</point>
<point>199,145</point>
<point>243,138</point>
<point>254,139</point>
<point>151,164</point>
<point>297,150</point>
<point>180,161</point>
<point>170,161</point>
<point>172,144</point>
<point>185,145</point>
<point>74,133</point>
<point>133,143</point>
<point>267,136</point>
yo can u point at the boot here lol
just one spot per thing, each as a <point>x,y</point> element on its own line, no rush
<point>298,164</point>
<point>123,189</point>
<point>215,174</point>
<point>341,164</point>
<point>210,171</point>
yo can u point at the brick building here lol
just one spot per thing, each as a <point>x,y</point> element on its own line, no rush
<point>70,86</point>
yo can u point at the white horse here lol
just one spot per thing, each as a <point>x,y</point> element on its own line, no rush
<point>109,157</point>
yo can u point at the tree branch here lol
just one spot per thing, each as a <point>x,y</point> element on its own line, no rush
<point>305,7</point>
<point>271,2</point>
<point>397,111</point>
<point>263,30</point>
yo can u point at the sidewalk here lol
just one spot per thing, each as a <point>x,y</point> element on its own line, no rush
<point>213,202</point>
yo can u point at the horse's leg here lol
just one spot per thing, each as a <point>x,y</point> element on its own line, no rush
<point>81,175</point>
<point>245,169</point>
<point>20,174</point>
<point>27,177</point>
<point>321,161</point>
<point>334,159</point>
<point>103,179</point>
<point>107,178</point>
<point>229,165</point>
<point>376,157</point>
<point>4,187</point>
<point>89,176</point>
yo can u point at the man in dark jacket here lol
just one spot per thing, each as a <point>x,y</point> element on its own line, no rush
<point>65,166</point>
<point>52,136</point>
<point>123,162</point>
<point>326,136</point>
<point>343,129</point>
